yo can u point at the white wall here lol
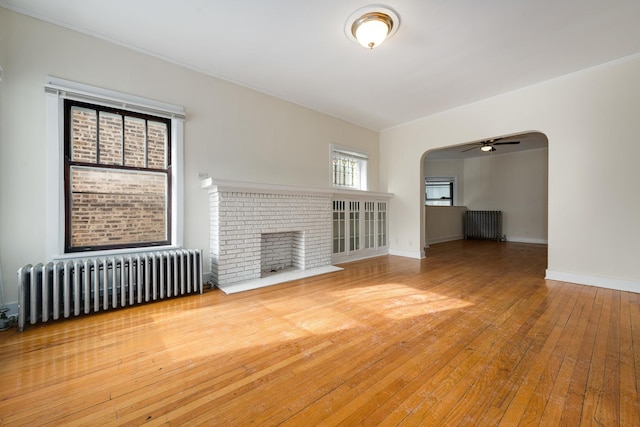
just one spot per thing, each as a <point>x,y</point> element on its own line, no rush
<point>514,183</point>
<point>231,132</point>
<point>444,223</point>
<point>591,121</point>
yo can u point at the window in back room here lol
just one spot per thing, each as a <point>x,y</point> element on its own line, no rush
<point>439,191</point>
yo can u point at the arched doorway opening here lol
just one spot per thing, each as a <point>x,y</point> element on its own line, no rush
<point>510,176</point>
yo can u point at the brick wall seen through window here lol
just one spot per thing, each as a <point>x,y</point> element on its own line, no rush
<point>117,178</point>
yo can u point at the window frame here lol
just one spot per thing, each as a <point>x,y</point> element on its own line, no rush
<point>453,183</point>
<point>361,157</point>
<point>57,91</point>
<point>69,164</point>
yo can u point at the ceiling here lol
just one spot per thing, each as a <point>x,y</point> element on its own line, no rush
<point>526,141</point>
<point>445,53</point>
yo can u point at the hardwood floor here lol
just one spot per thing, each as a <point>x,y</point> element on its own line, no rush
<point>472,335</point>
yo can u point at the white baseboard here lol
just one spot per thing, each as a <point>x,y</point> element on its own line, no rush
<point>527,240</point>
<point>445,239</point>
<point>341,259</point>
<point>509,239</point>
<point>407,254</point>
<point>601,282</point>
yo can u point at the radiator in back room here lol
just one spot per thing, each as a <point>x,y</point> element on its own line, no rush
<point>82,286</point>
<point>483,225</point>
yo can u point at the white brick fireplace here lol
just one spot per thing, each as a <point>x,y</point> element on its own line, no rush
<point>245,217</point>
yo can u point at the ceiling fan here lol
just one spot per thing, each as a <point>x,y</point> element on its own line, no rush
<point>488,145</point>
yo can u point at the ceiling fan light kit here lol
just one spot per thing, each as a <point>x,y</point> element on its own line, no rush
<point>371,25</point>
<point>488,145</point>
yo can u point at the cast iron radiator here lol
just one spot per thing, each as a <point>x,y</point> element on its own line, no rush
<point>485,225</point>
<point>82,286</point>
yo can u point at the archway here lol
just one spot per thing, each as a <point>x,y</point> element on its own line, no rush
<point>511,177</point>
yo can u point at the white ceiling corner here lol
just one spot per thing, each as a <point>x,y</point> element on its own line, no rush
<point>444,55</point>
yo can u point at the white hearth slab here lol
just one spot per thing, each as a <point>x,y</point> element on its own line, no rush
<point>276,279</point>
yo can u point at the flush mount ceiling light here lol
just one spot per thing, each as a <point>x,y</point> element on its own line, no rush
<point>372,25</point>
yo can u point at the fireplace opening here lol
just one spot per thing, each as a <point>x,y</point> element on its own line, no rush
<point>281,252</point>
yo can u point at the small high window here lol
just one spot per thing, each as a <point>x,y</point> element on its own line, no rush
<point>349,168</point>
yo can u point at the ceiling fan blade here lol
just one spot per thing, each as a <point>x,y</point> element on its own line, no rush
<point>506,143</point>
<point>468,149</point>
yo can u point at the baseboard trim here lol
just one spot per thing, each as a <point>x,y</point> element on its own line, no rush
<point>527,240</point>
<point>598,281</point>
<point>445,239</point>
<point>341,259</point>
<point>407,254</point>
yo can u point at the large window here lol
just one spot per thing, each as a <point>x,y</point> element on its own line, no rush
<point>114,171</point>
<point>116,178</point>
<point>349,168</point>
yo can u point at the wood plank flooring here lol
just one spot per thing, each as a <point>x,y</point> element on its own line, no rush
<point>471,335</point>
